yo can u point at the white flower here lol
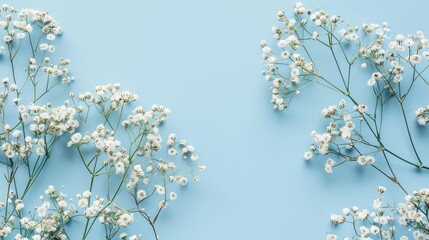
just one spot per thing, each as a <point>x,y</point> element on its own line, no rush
<point>125,219</point>
<point>163,204</point>
<point>51,49</point>
<point>346,211</point>
<point>399,37</point>
<point>20,35</point>
<point>308,155</point>
<point>362,108</point>
<point>133,237</point>
<point>50,37</point>
<point>160,189</point>
<point>314,35</point>
<point>90,212</point>
<point>415,59</point>
<point>201,167</point>
<point>377,203</point>
<point>119,168</point>
<point>329,165</point>
<point>10,153</point>
<point>408,42</point>
<point>173,196</point>
<point>19,205</point>
<point>50,190</point>
<point>361,215</point>
<point>86,194</point>
<point>282,43</point>
<point>397,78</point>
<point>24,220</point>
<point>7,39</point>
<point>172,152</point>
<point>374,230</point>
<point>83,203</point>
<point>181,180</point>
<point>194,157</point>
<point>370,159</point>
<point>44,47</point>
<point>62,204</point>
<point>16,133</point>
<point>381,189</point>
<point>286,54</point>
<point>266,49</point>
<point>361,160</point>
<point>330,236</point>
<point>371,82</point>
<point>141,194</point>
<point>146,181</point>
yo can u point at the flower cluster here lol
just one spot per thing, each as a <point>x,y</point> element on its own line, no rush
<point>140,117</point>
<point>30,129</point>
<point>22,27</point>
<point>414,213</point>
<point>108,96</point>
<point>51,121</point>
<point>391,67</point>
<point>120,218</point>
<point>391,60</point>
<point>341,137</point>
<point>46,222</point>
<point>91,208</point>
<point>124,150</point>
<point>137,162</point>
<point>299,68</point>
<point>383,220</point>
<point>24,23</point>
<point>43,121</point>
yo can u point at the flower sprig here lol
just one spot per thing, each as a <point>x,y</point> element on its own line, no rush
<point>383,221</point>
<point>125,150</point>
<point>30,126</point>
<point>395,65</point>
<point>136,162</point>
<point>391,68</point>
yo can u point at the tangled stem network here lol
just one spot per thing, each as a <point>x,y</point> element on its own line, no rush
<point>123,155</point>
<point>355,135</point>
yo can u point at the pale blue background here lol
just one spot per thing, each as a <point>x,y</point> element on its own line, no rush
<point>202,59</point>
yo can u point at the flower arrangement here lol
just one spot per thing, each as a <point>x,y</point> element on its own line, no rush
<point>355,135</point>
<point>124,154</point>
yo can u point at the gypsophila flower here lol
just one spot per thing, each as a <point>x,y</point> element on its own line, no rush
<point>362,108</point>
<point>329,165</point>
<point>422,115</point>
<point>163,204</point>
<point>173,196</point>
<point>160,189</point>
<point>330,236</point>
<point>141,194</point>
<point>308,155</point>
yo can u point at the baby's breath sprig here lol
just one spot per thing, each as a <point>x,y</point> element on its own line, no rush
<point>30,126</point>
<point>355,135</point>
<point>137,162</point>
<point>384,221</point>
<point>125,152</point>
<point>395,66</point>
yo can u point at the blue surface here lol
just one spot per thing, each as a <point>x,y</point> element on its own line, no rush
<point>202,60</point>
